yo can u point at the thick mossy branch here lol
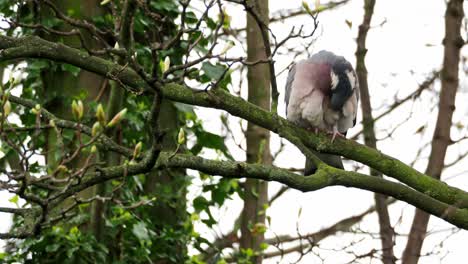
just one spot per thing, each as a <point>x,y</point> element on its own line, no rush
<point>388,165</point>
<point>324,177</point>
<point>34,47</point>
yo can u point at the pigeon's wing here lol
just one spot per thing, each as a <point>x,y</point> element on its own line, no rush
<point>304,97</point>
<point>288,87</point>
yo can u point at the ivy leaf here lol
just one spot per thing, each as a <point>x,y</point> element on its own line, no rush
<point>140,231</point>
<point>200,203</point>
<point>218,196</point>
<point>210,221</point>
<point>222,191</point>
<point>184,107</point>
<point>38,65</point>
<point>264,246</point>
<point>71,251</point>
<point>214,72</point>
<point>210,140</point>
<point>52,247</point>
<point>71,69</point>
<point>191,18</point>
<point>14,200</point>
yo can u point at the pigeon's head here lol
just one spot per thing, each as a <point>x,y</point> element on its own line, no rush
<point>343,82</point>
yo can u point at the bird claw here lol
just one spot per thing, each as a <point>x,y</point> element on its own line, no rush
<point>316,130</point>
<point>334,134</point>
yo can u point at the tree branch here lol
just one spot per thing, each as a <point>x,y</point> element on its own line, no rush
<point>386,230</point>
<point>325,176</point>
<point>34,47</point>
<point>453,43</point>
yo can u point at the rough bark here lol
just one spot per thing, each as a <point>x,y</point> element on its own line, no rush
<point>58,85</point>
<point>386,230</point>
<point>170,188</point>
<point>258,138</point>
<point>113,104</point>
<point>453,42</point>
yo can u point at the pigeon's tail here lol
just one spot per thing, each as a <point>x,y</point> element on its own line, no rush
<point>332,160</point>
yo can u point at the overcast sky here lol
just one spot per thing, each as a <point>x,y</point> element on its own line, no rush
<point>405,46</point>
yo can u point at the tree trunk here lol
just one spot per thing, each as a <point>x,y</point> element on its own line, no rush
<point>453,42</point>
<point>258,139</point>
<point>169,186</point>
<point>386,230</point>
<point>59,85</point>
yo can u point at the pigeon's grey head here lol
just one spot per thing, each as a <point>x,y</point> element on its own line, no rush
<point>343,79</point>
<point>343,83</point>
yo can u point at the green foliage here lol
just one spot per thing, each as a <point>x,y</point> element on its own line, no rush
<point>204,139</point>
<point>60,245</point>
<point>219,191</point>
<point>209,140</point>
<point>133,231</point>
<point>214,73</point>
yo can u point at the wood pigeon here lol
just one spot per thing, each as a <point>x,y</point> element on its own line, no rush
<point>322,93</point>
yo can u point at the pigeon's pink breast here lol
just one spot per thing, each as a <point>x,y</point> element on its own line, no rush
<point>317,75</point>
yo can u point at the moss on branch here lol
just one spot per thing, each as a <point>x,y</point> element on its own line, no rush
<point>324,177</point>
<point>373,158</point>
<point>432,195</point>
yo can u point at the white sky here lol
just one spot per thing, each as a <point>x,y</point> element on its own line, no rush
<point>404,47</point>
<point>408,41</point>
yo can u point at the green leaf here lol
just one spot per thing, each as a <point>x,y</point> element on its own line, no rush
<point>14,200</point>
<point>74,231</point>
<point>254,192</point>
<point>248,252</point>
<point>218,196</point>
<point>200,203</point>
<point>38,65</point>
<point>214,72</point>
<point>210,140</point>
<point>71,69</point>
<point>191,18</point>
<point>184,107</point>
<point>71,251</point>
<point>140,231</point>
<point>211,23</point>
<point>221,191</point>
<point>52,247</point>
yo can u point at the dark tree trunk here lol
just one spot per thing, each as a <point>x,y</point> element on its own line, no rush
<point>258,139</point>
<point>386,230</point>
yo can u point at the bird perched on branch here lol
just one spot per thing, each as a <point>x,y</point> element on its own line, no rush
<point>322,93</point>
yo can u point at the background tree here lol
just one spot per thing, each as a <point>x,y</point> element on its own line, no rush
<point>386,230</point>
<point>99,129</point>
<point>453,42</point>
<point>257,138</point>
